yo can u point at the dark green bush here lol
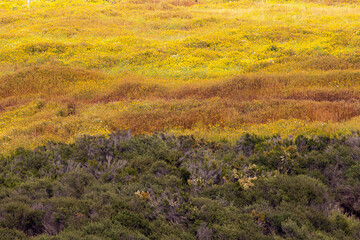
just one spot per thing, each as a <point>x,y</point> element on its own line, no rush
<point>20,216</point>
<point>11,234</point>
<point>298,190</point>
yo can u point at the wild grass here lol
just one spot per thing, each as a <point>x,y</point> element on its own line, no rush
<point>215,69</point>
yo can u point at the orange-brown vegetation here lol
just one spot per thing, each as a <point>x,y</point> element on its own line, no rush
<point>246,99</point>
<point>45,79</point>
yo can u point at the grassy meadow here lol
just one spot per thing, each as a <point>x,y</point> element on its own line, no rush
<point>213,69</point>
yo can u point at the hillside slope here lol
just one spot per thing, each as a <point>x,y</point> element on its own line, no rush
<point>215,69</point>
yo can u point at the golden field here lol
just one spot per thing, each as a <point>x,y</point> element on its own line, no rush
<point>215,69</point>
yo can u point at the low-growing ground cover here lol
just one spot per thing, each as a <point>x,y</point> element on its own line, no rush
<point>166,187</point>
<point>215,69</point>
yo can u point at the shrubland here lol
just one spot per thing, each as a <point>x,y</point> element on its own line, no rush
<point>176,187</point>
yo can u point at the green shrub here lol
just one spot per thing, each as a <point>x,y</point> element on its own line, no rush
<point>11,234</point>
<point>298,190</point>
<point>17,215</point>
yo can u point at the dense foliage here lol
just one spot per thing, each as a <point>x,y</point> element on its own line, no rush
<point>167,187</point>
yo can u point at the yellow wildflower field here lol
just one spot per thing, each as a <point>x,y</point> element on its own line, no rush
<point>215,69</point>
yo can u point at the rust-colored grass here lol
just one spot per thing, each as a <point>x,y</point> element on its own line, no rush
<point>245,99</point>
<point>45,79</point>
